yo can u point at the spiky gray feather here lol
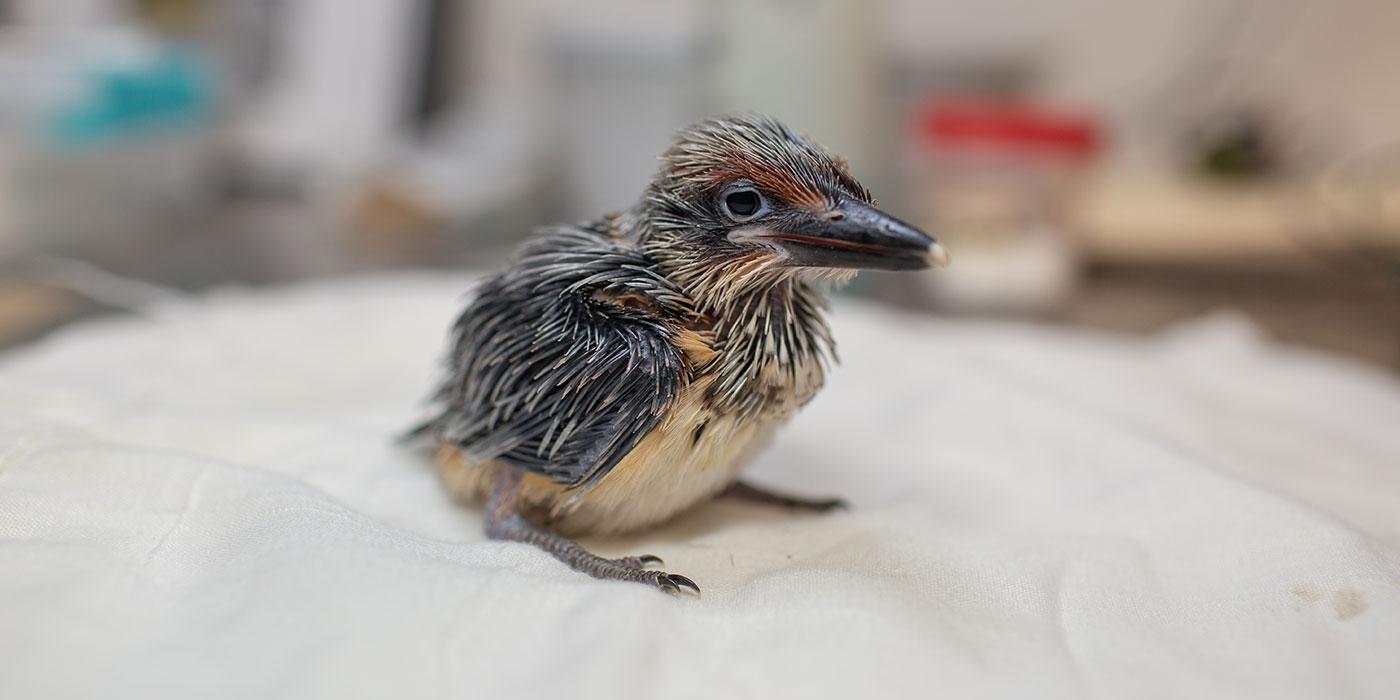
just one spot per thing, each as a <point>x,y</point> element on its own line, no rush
<point>548,373</point>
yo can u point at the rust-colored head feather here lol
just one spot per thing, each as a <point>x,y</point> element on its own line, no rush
<point>683,225</point>
<point>763,151</point>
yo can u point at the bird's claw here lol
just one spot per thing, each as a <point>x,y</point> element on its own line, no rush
<point>815,506</point>
<point>673,583</point>
<point>635,569</point>
<point>640,562</point>
<point>749,492</point>
<point>670,583</point>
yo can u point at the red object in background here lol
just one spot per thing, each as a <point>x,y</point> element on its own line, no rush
<point>1007,127</point>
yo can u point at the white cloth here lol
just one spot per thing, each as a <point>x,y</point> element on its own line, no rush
<point>207,504</point>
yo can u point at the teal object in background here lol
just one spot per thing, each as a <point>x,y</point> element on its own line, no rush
<point>171,91</point>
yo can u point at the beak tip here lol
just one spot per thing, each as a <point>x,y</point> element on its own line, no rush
<point>937,256</point>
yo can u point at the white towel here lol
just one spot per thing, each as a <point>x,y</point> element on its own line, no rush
<point>206,503</point>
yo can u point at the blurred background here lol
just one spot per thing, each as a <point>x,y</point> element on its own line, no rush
<point>1112,164</point>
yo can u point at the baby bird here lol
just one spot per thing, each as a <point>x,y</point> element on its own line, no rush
<point>624,370</point>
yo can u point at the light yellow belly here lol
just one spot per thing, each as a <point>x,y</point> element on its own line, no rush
<point>666,473</point>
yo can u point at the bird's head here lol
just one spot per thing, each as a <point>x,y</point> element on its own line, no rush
<point>745,195</point>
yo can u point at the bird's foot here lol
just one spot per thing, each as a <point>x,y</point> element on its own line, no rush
<point>634,569</point>
<point>503,522</point>
<point>671,583</point>
<point>748,492</point>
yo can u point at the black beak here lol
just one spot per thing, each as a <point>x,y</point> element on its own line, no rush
<point>854,235</point>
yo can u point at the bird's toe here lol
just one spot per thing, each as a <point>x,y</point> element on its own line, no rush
<point>675,583</point>
<point>830,504</point>
<point>640,562</point>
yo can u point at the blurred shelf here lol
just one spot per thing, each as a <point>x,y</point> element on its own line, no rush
<point>1135,218</point>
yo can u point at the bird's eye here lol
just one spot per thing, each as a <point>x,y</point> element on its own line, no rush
<point>743,205</point>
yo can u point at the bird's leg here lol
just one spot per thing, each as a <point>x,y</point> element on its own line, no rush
<point>504,522</point>
<point>743,490</point>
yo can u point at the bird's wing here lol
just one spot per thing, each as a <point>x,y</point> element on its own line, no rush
<point>549,373</point>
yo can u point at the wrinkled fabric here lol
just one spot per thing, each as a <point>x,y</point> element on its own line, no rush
<point>207,502</point>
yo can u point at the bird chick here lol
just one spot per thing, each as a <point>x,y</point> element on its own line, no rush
<point>624,370</point>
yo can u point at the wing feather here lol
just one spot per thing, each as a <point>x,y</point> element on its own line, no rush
<point>547,375</point>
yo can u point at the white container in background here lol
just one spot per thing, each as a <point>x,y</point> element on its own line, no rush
<point>994,181</point>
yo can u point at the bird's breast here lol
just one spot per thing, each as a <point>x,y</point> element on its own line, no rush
<point>719,421</point>
<point>705,439</point>
<point>694,454</point>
